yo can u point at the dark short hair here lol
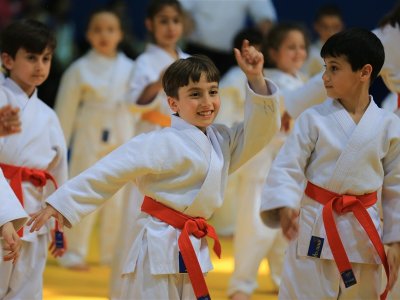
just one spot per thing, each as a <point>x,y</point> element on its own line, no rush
<point>359,46</point>
<point>106,9</point>
<point>326,10</point>
<point>155,6</point>
<point>31,35</point>
<point>182,71</point>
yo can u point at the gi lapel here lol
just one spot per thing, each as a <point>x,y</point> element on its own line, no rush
<point>209,196</point>
<point>358,137</point>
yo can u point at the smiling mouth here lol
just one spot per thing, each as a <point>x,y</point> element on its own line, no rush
<point>205,113</point>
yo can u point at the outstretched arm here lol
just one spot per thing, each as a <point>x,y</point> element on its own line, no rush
<point>251,61</point>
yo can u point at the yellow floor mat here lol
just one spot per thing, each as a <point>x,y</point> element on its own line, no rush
<point>63,284</point>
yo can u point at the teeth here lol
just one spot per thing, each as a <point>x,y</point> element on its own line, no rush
<point>205,113</point>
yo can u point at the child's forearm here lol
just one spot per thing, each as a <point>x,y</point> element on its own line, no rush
<point>259,85</point>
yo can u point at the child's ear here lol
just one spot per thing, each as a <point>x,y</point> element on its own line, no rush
<point>173,104</point>
<point>366,72</point>
<point>7,60</point>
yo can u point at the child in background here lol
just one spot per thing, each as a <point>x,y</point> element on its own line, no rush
<point>285,49</point>
<point>35,159</point>
<point>328,20</point>
<point>347,149</point>
<point>182,170</point>
<point>95,118</point>
<point>164,24</point>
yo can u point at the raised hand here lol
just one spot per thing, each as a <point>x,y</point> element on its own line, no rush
<point>251,61</point>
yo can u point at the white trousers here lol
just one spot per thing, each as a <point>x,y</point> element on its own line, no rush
<point>78,237</point>
<point>24,280</point>
<point>253,241</point>
<point>312,278</point>
<point>132,202</point>
<point>142,285</point>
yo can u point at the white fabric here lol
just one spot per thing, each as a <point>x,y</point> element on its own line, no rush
<point>244,191</point>
<point>10,209</point>
<point>91,104</point>
<point>314,63</point>
<point>149,67</point>
<point>24,280</point>
<point>327,148</point>
<point>390,38</point>
<point>211,19</point>
<point>315,279</point>
<point>179,166</point>
<point>311,93</point>
<point>40,145</point>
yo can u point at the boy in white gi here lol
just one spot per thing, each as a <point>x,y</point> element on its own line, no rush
<point>348,151</point>
<point>182,170</point>
<point>33,160</point>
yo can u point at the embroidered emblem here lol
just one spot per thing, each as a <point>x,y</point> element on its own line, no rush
<point>315,248</point>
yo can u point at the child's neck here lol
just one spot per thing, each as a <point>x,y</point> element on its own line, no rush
<point>356,106</point>
<point>28,89</point>
<point>109,54</point>
<point>171,50</point>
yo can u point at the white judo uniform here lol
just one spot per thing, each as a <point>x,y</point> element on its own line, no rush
<point>91,105</point>
<point>328,149</point>
<point>390,38</point>
<point>180,167</point>
<point>40,145</point>
<point>252,239</point>
<point>11,209</point>
<point>148,68</point>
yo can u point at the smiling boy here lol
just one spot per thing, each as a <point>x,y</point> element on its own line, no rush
<point>182,170</point>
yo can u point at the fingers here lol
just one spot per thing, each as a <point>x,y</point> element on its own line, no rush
<point>289,222</point>
<point>13,255</point>
<point>60,220</point>
<point>38,219</point>
<point>9,120</point>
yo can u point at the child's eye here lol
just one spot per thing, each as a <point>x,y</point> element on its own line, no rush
<point>334,68</point>
<point>214,92</point>
<point>195,94</point>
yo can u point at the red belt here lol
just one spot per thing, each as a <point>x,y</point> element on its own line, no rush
<point>17,175</point>
<point>341,204</point>
<point>189,225</point>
